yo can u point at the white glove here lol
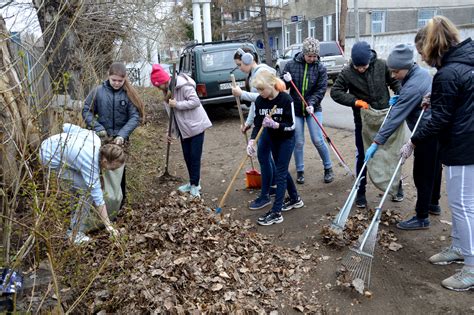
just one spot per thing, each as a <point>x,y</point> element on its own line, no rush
<point>406,151</point>
<point>119,140</point>
<point>310,109</point>
<point>287,77</point>
<point>251,148</point>
<point>270,123</point>
<point>113,232</point>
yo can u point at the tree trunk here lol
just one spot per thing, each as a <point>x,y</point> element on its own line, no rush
<point>266,41</point>
<point>19,137</point>
<point>342,25</point>
<point>64,52</point>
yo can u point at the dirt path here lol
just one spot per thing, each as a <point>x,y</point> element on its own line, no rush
<point>403,282</point>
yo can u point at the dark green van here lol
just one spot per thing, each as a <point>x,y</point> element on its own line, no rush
<point>210,65</point>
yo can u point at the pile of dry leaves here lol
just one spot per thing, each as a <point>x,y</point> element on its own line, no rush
<point>357,224</point>
<point>177,257</point>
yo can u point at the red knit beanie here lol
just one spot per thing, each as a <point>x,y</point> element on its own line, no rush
<point>158,75</point>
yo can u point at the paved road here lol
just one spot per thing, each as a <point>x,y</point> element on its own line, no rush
<point>336,115</point>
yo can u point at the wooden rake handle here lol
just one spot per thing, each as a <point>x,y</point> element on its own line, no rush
<point>241,115</point>
<point>242,163</point>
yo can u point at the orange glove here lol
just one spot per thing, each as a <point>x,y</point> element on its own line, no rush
<point>361,104</point>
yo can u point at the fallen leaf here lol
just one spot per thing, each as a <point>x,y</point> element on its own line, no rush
<point>358,285</point>
<point>395,246</point>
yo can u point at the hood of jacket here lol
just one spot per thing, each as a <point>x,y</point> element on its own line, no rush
<point>461,53</point>
<point>183,80</point>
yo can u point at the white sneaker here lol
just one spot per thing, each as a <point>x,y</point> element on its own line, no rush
<point>185,188</point>
<point>195,191</point>
<point>447,256</point>
<point>81,238</point>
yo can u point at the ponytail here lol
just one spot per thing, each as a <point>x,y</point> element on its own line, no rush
<point>441,35</point>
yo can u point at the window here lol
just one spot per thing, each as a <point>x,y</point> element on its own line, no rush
<point>312,29</point>
<point>424,15</point>
<point>299,32</point>
<point>287,36</point>
<point>218,60</point>
<point>327,28</point>
<point>378,22</point>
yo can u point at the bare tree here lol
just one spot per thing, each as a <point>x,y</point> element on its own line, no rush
<point>342,24</point>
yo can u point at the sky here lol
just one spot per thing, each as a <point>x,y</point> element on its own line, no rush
<point>20,16</point>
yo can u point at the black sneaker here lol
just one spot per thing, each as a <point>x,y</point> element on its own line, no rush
<point>270,218</point>
<point>300,177</point>
<point>361,202</point>
<point>328,175</point>
<point>414,224</point>
<point>434,209</point>
<point>400,194</point>
<point>292,204</point>
<point>260,202</point>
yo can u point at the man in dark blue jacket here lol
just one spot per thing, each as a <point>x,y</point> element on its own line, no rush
<point>310,77</point>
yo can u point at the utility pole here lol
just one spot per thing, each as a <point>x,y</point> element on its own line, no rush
<point>342,24</point>
<point>266,41</point>
<point>357,23</point>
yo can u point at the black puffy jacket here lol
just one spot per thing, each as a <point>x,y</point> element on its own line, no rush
<point>452,107</point>
<point>317,83</point>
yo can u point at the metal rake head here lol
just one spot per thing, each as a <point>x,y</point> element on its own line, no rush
<point>358,261</point>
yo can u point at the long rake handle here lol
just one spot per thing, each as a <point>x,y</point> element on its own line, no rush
<point>241,115</point>
<point>224,197</point>
<point>326,136</point>
<point>378,210</point>
<point>168,146</point>
<point>344,213</point>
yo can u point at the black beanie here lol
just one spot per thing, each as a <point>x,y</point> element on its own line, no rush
<point>361,54</point>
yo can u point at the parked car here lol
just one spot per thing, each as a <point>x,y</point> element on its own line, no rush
<point>331,55</point>
<point>210,65</point>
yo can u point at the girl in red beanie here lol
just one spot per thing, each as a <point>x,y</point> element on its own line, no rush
<point>189,123</point>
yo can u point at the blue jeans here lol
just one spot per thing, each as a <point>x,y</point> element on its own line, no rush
<point>282,150</point>
<point>316,137</point>
<point>360,156</point>
<point>267,165</point>
<point>192,151</point>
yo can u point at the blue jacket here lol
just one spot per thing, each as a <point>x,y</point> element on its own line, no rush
<point>317,76</point>
<point>415,85</point>
<point>452,107</point>
<point>110,110</point>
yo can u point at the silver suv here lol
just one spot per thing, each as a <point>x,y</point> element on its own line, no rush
<point>331,55</point>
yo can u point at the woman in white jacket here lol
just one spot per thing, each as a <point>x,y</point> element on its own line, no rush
<point>189,123</point>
